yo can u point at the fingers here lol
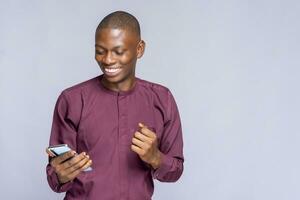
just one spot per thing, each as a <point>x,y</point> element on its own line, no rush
<point>138,150</point>
<point>142,137</point>
<point>86,165</point>
<point>74,161</point>
<point>75,173</point>
<point>70,169</point>
<point>60,159</point>
<point>141,144</point>
<point>77,165</point>
<point>146,131</point>
<point>141,125</point>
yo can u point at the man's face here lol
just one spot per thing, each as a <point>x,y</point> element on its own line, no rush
<point>117,51</point>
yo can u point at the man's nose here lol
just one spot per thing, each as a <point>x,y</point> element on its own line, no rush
<point>108,59</point>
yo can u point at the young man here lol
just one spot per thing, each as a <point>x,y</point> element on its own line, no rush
<point>127,129</point>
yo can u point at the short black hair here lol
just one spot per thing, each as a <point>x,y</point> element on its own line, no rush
<point>120,20</point>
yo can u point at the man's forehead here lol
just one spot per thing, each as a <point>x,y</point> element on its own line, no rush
<point>115,37</point>
<point>116,32</point>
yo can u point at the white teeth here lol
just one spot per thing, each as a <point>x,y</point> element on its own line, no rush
<point>112,70</point>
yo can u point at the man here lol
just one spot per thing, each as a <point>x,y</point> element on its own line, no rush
<point>127,129</point>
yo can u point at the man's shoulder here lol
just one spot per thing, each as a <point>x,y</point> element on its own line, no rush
<point>159,94</point>
<point>78,88</point>
<point>155,87</point>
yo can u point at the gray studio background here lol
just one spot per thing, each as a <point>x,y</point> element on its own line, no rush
<point>233,67</point>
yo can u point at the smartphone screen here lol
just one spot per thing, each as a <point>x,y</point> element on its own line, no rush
<point>59,149</point>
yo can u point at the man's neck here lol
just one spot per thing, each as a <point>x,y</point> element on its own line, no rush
<point>120,86</point>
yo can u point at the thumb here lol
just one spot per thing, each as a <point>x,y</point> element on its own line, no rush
<point>141,125</point>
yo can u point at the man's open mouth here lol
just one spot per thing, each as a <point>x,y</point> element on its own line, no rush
<point>112,71</point>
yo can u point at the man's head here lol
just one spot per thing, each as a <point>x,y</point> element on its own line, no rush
<point>118,46</point>
<point>120,20</point>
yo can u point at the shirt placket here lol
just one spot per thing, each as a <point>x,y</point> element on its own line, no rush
<point>123,147</point>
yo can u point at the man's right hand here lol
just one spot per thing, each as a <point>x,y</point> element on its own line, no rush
<point>67,170</point>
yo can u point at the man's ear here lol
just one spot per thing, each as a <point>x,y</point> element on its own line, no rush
<point>141,49</point>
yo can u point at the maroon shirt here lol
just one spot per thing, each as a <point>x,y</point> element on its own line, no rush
<point>90,118</point>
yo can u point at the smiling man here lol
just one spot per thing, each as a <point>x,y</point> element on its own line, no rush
<point>127,129</point>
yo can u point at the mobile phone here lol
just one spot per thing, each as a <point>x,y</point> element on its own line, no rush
<point>57,150</point>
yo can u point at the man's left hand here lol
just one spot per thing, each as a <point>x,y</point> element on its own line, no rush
<point>144,143</point>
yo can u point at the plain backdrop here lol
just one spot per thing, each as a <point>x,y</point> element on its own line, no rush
<point>233,67</point>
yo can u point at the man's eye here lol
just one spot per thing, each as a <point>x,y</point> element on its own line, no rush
<point>99,52</point>
<point>119,53</point>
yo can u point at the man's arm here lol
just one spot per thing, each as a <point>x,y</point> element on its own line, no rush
<point>60,172</point>
<point>167,159</point>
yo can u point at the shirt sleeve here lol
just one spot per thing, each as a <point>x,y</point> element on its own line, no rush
<point>171,145</point>
<point>63,131</point>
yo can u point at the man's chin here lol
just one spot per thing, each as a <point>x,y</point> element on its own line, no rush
<point>118,80</point>
<point>112,79</point>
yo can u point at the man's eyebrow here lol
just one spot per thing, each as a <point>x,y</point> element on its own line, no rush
<point>116,47</point>
<point>98,45</point>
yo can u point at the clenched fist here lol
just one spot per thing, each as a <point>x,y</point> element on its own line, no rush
<point>144,143</point>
